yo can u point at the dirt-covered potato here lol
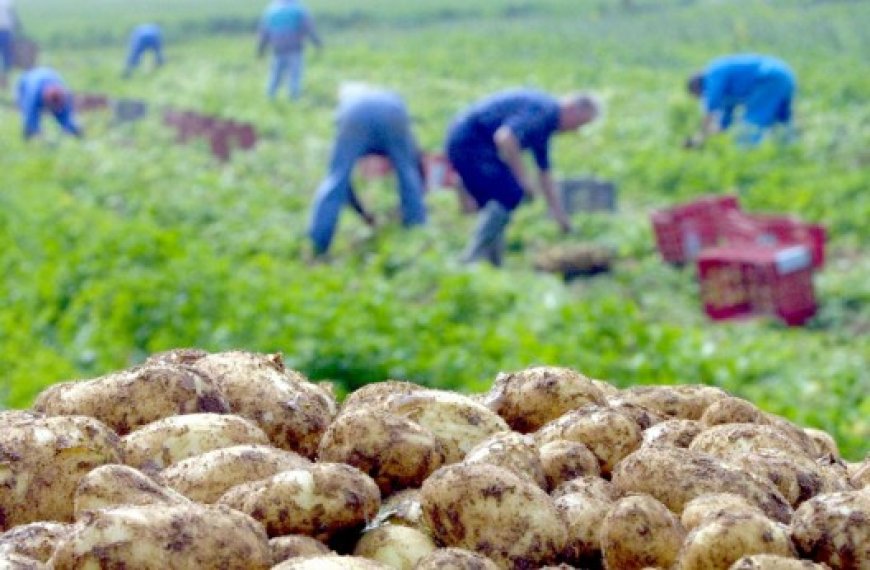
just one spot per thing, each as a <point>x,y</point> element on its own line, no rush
<point>513,451</point>
<point>293,412</point>
<point>564,460</point>
<point>393,450</point>
<point>774,562</point>
<point>457,421</point>
<point>859,475</point>
<point>35,540</point>
<point>130,399</point>
<point>43,460</point>
<point>687,402</point>
<point>330,562</point>
<point>455,559</point>
<point>607,389</point>
<point>115,485</point>
<point>204,478</point>
<point>732,410</point>
<point>295,545</point>
<point>530,398</point>
<point>162,536</point>
<point>317,500</point>
<point>13,561</point>
<point>609,434</point>
<point>712,505</point>
<point>794,433</point>
<point>402,508</point>
<point>491,511</point>
<point>376,396</point>
<point>645,418</point>
<point>183,356</point>
<point>10,417</point>
<point>719,542</point>
<point>672,433</point>
<point>583,515</point>
<point>640,532</point>
<point>170,440</point>
<point>399,547</point>
<point>736,439</point>
<point>589,486</point>
<point>834,529</point>
<point>676,476</point>
<point>824,443</point>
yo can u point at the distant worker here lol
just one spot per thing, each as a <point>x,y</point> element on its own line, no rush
<point>144,38</point>
<point>762,85</point>
<point>42,90</point>
<point>8,27</point>
<point>285,26</point>
<point>485,144</point>
<point>369,120</point>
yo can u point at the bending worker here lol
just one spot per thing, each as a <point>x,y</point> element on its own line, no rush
<point>485,145</point>
<point>144,38</point>
<point>762,85</point>
<point>369,120</point>
<point>42,90</point>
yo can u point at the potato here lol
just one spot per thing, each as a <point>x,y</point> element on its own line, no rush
<point>687,402</point>
<point>713,505</point>
<point>317,500</point>
<point>164,536</point>
<point>295,545</point>
<point>115,485</point>
<point>184,356</point>
<point>514,451</point>
<point>491,511</point>
<point>205,477</point>
<point>330,562</point>
<point>774,562</point>
<point>34,540</point>
<point>11,417</point>
<point>643,417</point>
<point>606,388</point>
<point>736,439</point>
<point>393,450</point>
<point>672,433</point>
<point>588,486</point>
<point>530,398</point>
<point>583,515</point>
<point>732,410</point>
<point>676,476</point>
<point>794,433</point>
<point>824,443</point>
<point>719,542</point>
<point>564,460</point>
<point>13,561</point>
<point>376,396</point>
<point>399,547</point>
<point>609,434</point>
<point>639,532</point>
<point>42,461</point>
<point>293,412</point>
<point>130,399</point>
<point>170,440</point>
<point>457,422</point>
<point>859,476</point>
<point>455,559</point>
<point>834,529</point>
<point>402,508</point>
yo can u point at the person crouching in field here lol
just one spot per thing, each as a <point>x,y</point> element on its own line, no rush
<point>369,120</point>
<point>144,38</point>
<point>42,90</point>
<point>485,145</point>
<point>8,26</point>
<point>763,86</point>
<point>285,26</point>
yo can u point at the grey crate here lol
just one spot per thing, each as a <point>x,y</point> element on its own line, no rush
<point>129,110</point>
<point>588,195</point>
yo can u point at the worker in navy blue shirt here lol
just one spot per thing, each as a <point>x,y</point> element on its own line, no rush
<point>763,86</point>
<point>42,90</point>
<point>485,144</point>
<point>144,38</point>
<point>369,120</point>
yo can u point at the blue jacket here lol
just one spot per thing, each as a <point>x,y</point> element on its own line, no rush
<point>146,35</point>
<point>730,81</point>
<point>30,88</point>
<point>285,25</point>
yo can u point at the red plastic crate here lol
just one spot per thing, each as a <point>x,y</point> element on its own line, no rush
<point>683,231</point>
<point>741,228</point>
<point>373,166</point>
<point>439,172</point>
<point>89,102</point>
<point>744,280</point>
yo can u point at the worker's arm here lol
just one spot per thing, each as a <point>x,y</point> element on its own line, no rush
<point>511,153</point>
<point>311,32</point>
<point>710,125</point>
<point>548,188</point>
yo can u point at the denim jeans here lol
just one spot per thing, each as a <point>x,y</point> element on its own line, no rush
<point>291,65</point>
<point>6,59</point>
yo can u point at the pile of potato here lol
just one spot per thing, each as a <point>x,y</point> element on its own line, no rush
<point>197,461</point>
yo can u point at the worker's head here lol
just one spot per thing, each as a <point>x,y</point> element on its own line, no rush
<point>54,97</point>
<point>695,84</point>
<point>578,109</point>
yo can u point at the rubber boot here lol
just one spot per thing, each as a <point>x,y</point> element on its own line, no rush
<point>487,241</point>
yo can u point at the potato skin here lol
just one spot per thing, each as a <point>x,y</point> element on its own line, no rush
<point>130,399</point>
<point>399,547</point>
<point>402,508</point>
<point>293,546</point>
<point>206,477</point>
<point>13,561</point>
<point>530,398</point>
<point>170,440</point>
<point>330,562</point>
<point>564,460</point>
<point>720,541</point>
<point>589,486</point>
<point>686,402</point>
<point>489,510</point>
<point>455,559</point>
<point>639,532</point>
<point>712,505</point>
<point>42,461</point>
<point>513,451</point>
<point>824,443</point>
<point>395,451</point>
<point>774,562</point>
<point>34,540</point>
<point>676,476</point>
<point>860,475</point>
<point>834,529</point>
<point>727,439</point>
<point>672,433</point>
<point>318,500</point>
<point>115,485</point>
<point>583,514</point>
<point>377,395</point>
<point>732,410</point>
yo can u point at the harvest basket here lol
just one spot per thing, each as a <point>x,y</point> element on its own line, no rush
<point>588,195</point>
<point>575,260</point>
<point>683,231</point>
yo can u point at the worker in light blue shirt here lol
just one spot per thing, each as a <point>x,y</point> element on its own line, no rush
<point>285,27</point>
<point>763,87</point>
<point>42,90</point>
<point>144,38</point>
<point>369,120</point>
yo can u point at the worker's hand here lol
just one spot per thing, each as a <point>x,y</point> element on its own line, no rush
<point>370,220</point>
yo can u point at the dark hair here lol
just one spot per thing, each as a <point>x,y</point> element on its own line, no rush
<point>695,84</point>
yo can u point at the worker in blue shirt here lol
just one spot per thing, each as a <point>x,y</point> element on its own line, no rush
<point>42,90</point>
<point>485,144</point>
<point>763,86</point>
<point>285,26</point>
<point>369,120</point>
<point>144,38</point>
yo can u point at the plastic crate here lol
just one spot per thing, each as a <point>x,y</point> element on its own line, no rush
<point>89,102</point>
<point>683,231</point>
<point>374,166</point>
<point>244,134</point>
<point>745,280</point>
<point>438,172</point>
<point>741,228</point>
<point>588,195</point>
<point>219,141</point>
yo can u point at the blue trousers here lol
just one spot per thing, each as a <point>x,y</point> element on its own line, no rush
<point>484,175</point>
<point>6,44</point>
<point>290,64</point>
<point>138,49</point>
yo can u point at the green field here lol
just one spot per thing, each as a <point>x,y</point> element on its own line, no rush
<point>126,244</point>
